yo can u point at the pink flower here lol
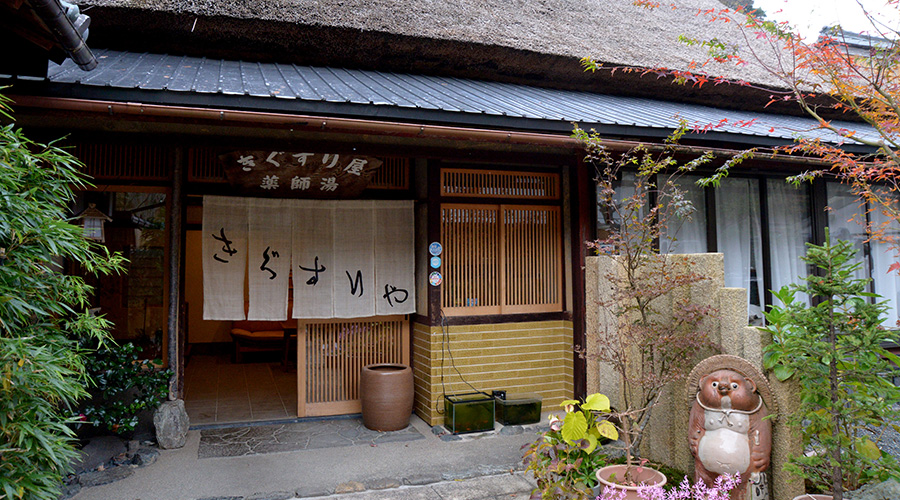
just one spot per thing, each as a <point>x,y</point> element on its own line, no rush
<point>555,423</point>
<point>610,493</point>
<point>684,491</point>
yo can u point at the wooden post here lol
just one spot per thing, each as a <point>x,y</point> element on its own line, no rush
<point>175,216</point>
<point>581,192</point>
<point>434,234</point>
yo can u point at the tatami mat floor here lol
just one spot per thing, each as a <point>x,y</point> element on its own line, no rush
<point>219,391</point>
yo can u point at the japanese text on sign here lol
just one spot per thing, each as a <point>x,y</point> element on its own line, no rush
<point>302,175</point>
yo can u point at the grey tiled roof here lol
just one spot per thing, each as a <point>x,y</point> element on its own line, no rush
<point>382,95</point>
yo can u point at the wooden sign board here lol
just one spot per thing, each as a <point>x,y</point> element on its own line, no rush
<point>285,174</point>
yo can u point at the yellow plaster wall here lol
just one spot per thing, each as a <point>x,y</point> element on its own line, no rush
<point>199,330</point>
<point>534,357</point>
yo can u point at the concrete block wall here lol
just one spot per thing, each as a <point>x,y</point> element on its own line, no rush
<point>665,440</point>
<point>530,357</point>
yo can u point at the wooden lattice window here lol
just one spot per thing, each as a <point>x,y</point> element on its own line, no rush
<point>393,174</point>
<point>204,166</point>
<point>501,259</point>
<point>499,184</point>
<point>131,162</point>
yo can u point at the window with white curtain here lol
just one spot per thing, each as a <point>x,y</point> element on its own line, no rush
<point>608,217</point>
<point>689,233</point>
<point>887,283</point>
<point>790,228</point>
<point>686,234</point>
<point>739,238</point>
<point>847,221</point>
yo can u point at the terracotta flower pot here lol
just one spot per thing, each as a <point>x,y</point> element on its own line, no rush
<point>648,477</point>
<point>386,391</point>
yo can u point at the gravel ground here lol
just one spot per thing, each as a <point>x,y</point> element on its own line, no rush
<point>891,443</point>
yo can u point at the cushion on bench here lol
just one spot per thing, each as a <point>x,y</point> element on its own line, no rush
<point>258,335</point>
<point>255,336</point>
<point>253,326</point>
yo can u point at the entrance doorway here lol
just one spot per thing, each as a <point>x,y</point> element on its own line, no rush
<point>217,390</point>
<point>321,378</point>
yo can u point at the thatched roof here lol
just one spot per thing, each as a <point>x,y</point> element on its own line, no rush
<point>538,42</point>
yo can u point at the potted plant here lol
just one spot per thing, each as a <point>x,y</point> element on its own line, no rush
<point>654,331</point>
<point>834,350</point>
<point>685,491</point>
<point>565,457</point>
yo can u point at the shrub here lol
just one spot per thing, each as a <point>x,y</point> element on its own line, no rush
<point>835,351</point>
<point>125,386</point>
<point>42,311</point>
<point>654,330</point>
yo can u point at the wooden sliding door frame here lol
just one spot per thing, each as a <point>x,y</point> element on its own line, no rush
<point>458,265</point>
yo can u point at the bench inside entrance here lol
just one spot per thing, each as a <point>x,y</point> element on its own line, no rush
<point>261,336</point>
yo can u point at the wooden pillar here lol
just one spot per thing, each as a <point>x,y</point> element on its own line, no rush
<point>582,230</point>
<point>175,226</point>
<point>434,234</point>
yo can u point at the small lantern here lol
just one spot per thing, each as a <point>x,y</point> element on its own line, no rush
<point>92,221</point>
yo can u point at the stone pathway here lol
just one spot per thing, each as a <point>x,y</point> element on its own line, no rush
<point>107,459</point>
<point>508,486</point>
<point>240,441</point>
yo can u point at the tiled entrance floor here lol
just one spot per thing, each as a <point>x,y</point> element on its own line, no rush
<point>218,391</point>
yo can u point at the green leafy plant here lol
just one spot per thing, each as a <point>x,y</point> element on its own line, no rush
<point>834,350</point>
<point>42,312</point>
<point>564,459</point>
<point>125,386</point>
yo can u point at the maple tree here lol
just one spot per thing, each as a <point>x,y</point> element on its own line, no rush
<point>826,77</point>
<point>853,76</point>
<point>660,329</point>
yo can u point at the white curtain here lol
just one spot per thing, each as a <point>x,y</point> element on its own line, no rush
<point>847,222</point>
<point>887,284</point>
<point>269,261</point>
<point>689,233</point>
<point>394,270</point>
<point>739,238</point>
<point>348,259</point>
<point>313,256</point>
<point>224,257</point>
<point>790,229</point>
<point>607,217</point>
<point>354,259</point>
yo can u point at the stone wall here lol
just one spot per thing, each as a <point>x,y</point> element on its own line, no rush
<point>665,440</point>
<point>534,357</point>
